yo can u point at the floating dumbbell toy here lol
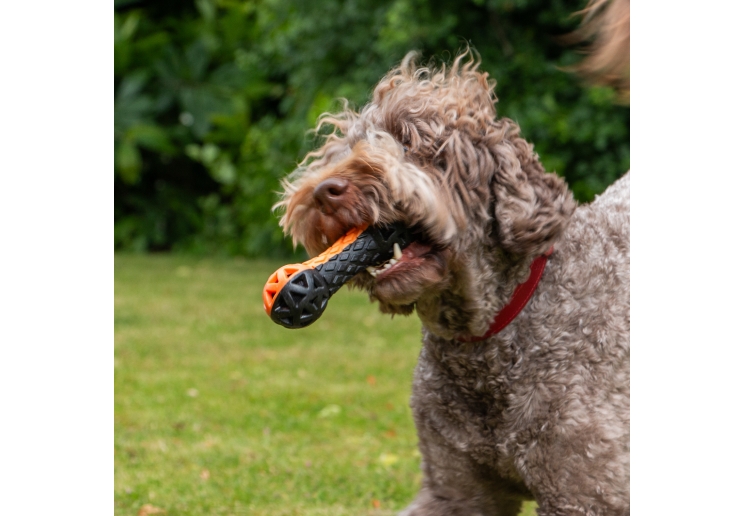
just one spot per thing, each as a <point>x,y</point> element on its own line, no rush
<point>296,295</point>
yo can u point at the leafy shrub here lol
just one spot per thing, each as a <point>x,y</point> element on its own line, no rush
<point>213,101</point>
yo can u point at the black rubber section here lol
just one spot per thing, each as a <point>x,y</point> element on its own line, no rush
<point>302,300</point>
<point>305,296</point>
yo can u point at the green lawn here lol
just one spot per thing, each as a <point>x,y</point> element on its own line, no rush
<point>220,411</point>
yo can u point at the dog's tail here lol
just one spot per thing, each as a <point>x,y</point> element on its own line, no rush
<point>606,29</point>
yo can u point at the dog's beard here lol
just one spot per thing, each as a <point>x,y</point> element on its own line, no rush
<point>328,229</point>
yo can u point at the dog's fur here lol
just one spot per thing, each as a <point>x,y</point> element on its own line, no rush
<point>605,28</point>
<point>542,408</point>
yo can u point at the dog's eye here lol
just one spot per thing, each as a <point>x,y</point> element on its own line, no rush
<point>405,149</point>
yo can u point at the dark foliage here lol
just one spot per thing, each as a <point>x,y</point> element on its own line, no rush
<point>213,101</point>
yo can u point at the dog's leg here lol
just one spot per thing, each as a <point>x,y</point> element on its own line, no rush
<point>456,485</point>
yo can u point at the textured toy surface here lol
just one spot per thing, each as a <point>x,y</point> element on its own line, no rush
<point>296,295</point>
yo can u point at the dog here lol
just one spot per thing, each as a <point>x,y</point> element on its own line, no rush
<point>538,408</point>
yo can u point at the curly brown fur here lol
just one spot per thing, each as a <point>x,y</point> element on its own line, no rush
<point>542,408</point>
<point>606,28</point>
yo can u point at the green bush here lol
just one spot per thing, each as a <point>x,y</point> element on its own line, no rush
<point>213,102</point>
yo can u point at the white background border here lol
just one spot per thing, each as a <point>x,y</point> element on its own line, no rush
<point>56,260</point>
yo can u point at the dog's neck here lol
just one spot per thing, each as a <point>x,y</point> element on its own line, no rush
<point>476,290</point>
<point>519,299</point>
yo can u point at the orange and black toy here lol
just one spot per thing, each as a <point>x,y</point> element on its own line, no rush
<point>296,295</point>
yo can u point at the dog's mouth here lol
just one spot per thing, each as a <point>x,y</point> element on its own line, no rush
<point>399,282</point>
<point>406,259</point>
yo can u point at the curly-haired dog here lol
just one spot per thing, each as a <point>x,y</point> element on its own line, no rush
<point>541,408</point>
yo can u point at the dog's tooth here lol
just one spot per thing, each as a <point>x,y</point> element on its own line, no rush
<point>393,261</point>
<point>397,253</point>
<point>387,266</point>
<point>371,270</point>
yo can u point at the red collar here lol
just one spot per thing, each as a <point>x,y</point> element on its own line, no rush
<point>519,299</point>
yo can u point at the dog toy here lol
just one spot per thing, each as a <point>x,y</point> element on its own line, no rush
<point>296,295</point>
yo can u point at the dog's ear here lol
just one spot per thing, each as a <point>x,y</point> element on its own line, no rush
<point>531,207</point>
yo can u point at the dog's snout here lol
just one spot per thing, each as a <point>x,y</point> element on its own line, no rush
<point>329,195</point>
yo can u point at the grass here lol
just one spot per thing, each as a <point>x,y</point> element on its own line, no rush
<point>220,411</point>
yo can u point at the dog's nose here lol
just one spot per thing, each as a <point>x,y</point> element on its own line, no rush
<point>329,195</point>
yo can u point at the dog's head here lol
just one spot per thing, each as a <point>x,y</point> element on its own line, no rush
<point>429,151</point>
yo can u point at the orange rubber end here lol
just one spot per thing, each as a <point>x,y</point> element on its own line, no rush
<point>280,278</point>
<point>277,281</point>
